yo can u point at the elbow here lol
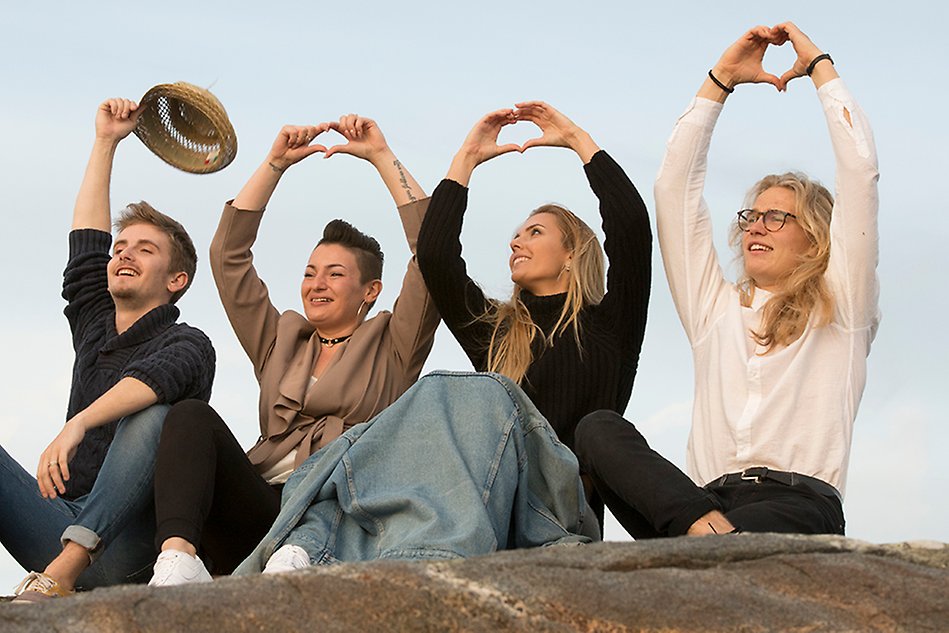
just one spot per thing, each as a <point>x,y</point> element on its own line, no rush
<point>215,255</point>
<point>662,189</point>
<point>425,255</point>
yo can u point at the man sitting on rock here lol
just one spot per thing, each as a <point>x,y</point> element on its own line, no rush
<point>92,523</point>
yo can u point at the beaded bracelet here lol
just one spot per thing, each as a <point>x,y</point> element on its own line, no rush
<point>822,56</point>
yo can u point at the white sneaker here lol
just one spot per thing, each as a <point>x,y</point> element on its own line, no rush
<point>287,558</point>
<point>178,568</point>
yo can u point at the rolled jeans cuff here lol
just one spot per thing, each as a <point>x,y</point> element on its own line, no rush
<point>85,537</point>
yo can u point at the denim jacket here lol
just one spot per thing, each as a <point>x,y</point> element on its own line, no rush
<point>462,464</point>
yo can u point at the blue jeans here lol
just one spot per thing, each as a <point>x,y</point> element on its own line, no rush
<point>461,465</point>
<point>115,521</point>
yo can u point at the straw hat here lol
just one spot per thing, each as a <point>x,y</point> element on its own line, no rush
<point>187,127</point>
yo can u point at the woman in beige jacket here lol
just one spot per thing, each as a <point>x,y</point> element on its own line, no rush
<point>320,372</point>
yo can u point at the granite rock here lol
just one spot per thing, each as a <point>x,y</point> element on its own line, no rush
<point>747,583</point>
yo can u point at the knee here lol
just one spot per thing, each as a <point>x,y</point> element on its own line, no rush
<point>467,393</point>
<point>147,421</point>
<point>595,432</point>
<point>189,417</point>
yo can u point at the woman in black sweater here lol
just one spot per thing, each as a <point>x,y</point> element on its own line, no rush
<point>572,348</point>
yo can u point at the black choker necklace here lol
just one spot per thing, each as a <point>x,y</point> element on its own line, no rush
<point>330,342</point>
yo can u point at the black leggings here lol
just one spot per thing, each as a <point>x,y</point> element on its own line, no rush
<point>207,491</point>
<point>651,497</point>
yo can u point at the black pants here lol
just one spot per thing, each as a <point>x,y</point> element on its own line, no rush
<point>650,497</point>
<point>207,491</point>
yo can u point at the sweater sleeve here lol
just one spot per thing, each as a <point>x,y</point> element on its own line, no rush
<point>244,295</point>
<point>182,367</point>
<point>85,280</point>
<point>414,315</point>
<point>685,228</point>
<point>854,238</point>
<point>628,246</point>
<point>459,299</point>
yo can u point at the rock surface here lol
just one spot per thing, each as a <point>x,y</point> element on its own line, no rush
<point>741,583</point>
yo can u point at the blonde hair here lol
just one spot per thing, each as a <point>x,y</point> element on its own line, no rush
<point>803,291</point>
<point>509,348</point>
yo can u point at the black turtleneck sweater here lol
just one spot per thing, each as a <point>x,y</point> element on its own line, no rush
<point>174,359</point>
<point>562,382</point>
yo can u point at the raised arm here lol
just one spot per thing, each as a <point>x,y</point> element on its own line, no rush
<point>556,130</point>
<point>365,140</point>
<point>625,219</point>
<point>459,299</point>
<point>685,227</point>
<point>293,144</point>
<point>115,119</point>
<point>741,64</point>
<point>244,295</point>
<point>481,145</point>
<point>414,316</point>
<point>854,235</point>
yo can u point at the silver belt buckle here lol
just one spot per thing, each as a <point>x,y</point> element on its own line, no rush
<point>752,478</point>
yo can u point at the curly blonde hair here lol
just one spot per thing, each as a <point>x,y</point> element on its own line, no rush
<point>803,290</point>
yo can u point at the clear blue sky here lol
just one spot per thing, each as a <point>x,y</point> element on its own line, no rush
<point>426,72</point>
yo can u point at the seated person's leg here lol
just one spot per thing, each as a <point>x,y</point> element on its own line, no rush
<point>774,507</point>
<point>121,497</point>
<point>30,526</point>
<point>646,493</point>
<point>208,496</point>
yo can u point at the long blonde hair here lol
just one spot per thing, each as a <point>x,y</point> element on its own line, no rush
<point>803,291</point>
<point>509,349</point>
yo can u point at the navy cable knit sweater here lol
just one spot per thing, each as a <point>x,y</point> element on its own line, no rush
<point>174,359</point>
<point>564,384</point>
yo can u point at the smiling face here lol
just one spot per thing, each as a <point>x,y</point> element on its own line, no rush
<point>333,293</point>
<point>139,272</point>
<point>770,256</point>
<point>538,256</point>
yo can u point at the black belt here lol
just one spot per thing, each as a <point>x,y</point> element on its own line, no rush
<point>760,473</point>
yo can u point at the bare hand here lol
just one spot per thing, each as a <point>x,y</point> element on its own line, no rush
<point>741,62</point>
<point>806,52</point>
<point>293,144</point>
<point>53,469</point>
<point>556,129</point>
<point>115,119</point>
<point>363,137</point>
<point>481,144</point>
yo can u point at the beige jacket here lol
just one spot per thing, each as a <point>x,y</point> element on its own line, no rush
<point>382,359</point>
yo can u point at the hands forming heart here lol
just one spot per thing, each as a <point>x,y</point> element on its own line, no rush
<point>363,137</point>
<point>742,61</point>
<point>556,129</point>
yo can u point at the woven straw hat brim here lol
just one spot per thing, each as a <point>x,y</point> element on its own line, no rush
<point>187,127</point>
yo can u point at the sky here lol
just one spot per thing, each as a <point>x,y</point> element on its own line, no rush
<point>426,72</point>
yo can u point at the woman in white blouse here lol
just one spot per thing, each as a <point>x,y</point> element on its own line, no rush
<point>780,356</point>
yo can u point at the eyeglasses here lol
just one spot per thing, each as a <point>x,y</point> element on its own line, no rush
<point>773,219</point>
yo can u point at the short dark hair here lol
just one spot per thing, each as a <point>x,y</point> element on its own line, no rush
<point>184,258</point>
<point>368,254</point>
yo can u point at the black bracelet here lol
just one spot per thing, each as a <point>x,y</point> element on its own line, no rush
<point>718,83</point>
<point>822,56</point>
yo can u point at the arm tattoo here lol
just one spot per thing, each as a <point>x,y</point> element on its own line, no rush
<point>404,182</point>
